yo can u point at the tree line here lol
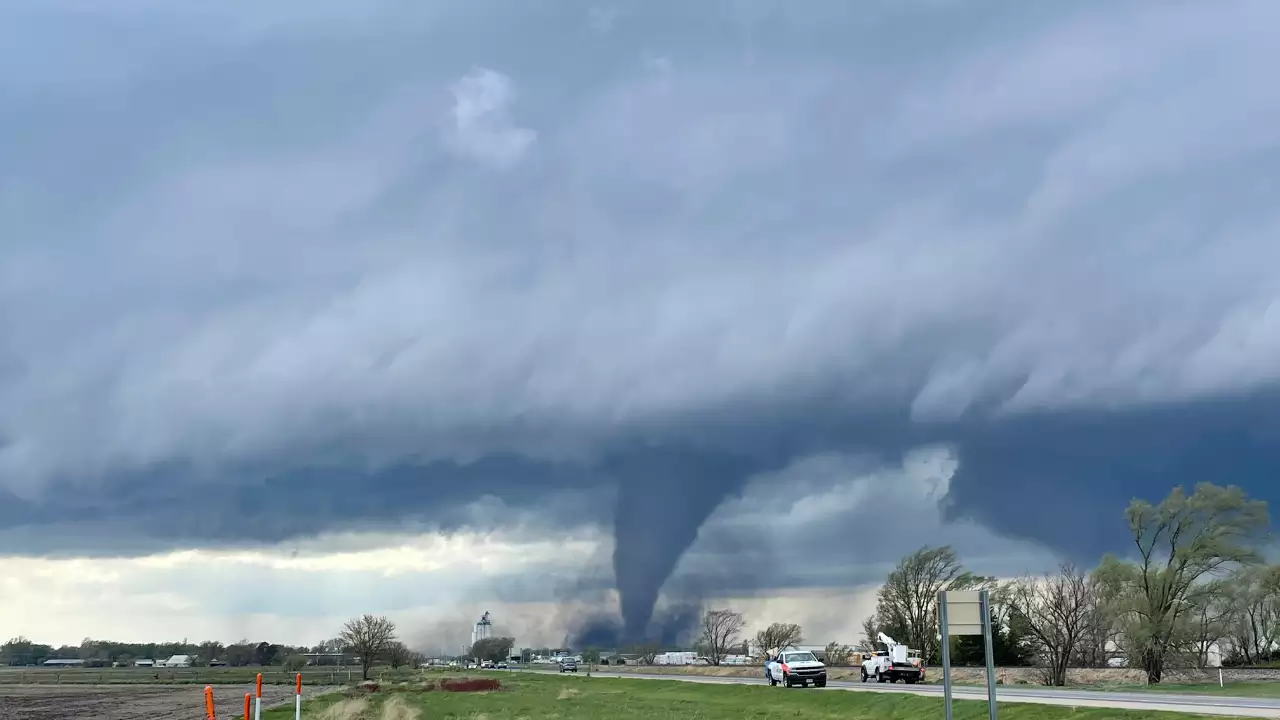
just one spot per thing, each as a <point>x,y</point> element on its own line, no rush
<point>1193,582</point>
<point>21,651</point>
<point>366,640</point>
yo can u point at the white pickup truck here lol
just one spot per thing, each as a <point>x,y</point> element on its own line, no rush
<point>893,665</point>
<point>796,667</point>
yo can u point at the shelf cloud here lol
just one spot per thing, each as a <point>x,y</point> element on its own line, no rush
<point>307,269</point>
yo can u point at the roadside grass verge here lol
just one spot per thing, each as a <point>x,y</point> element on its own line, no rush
<point>1239,689</point>
<point>580,698</point>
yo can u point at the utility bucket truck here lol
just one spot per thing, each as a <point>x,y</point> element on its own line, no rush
<point>894,664</point>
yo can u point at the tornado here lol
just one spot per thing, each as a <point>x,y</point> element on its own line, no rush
<point>664,496</point>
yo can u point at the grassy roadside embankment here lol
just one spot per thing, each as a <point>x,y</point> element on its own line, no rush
<point>1261,689</point>
<point>529,695</point>
<point>1251,690</point>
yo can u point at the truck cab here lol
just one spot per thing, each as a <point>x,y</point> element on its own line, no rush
<point>892,664</point>
<point>796,667</point>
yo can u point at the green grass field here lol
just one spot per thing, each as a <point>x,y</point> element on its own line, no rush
<point>533,696</point>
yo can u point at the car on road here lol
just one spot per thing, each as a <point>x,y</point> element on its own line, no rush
<point>796,667</point>
<point>501,666</point>
<point>568,666</point>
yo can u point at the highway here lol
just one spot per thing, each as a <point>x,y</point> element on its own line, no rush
<point>1172,702</point>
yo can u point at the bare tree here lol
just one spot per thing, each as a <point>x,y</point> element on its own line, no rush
<point>368,636</point>
<point>1053,612</point>
<point>778,636</point>
<point>397,655</point>
<point>908,601</point>
<point>720,630</point>
<point>646,652</point>
<point>1182,542</point>
<point>1100,627</point>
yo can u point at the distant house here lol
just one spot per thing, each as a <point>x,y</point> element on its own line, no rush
<point>60,662</point>
<point>144,663</point>
<point>177,661</point>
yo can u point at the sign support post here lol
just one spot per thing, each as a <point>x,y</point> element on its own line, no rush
<point>961,613</point>
<point>946,653</point>
<point>991,663</point>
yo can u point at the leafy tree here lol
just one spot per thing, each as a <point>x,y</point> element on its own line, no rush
<point>1007,647</point>
<point>837,654</point>
<point>494,649</point>
<point>332,646</point>
<point>88,649</point>
<point>211,650</point>
<point>238,654</point>
<point>591,655</point>
<point>21,651</point>
<point>1253,623</point>
<point>368,636</point>
<point>1181,543</point>
<point>265,653</point>
<point>720,630</point>
<point>908,601</point>
<point>1209,622</point>
<point>779,636</point>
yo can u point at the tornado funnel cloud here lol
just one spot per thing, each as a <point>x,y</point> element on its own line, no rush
<point>664,496</point>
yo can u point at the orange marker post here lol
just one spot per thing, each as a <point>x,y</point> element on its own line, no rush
<point>248,706</point>
<point>257,700</point>
<point>209,714</point>
<point>297,697</point>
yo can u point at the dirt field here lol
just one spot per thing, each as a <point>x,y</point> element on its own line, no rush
<point>130,702</point>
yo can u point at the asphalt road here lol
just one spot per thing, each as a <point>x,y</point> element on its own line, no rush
<point>1173,702</point>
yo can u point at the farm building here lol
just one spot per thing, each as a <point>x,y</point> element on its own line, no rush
<point>61,662</point>
<point>177,661</point>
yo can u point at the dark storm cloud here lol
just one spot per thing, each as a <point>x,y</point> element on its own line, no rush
<point>271,271</point>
